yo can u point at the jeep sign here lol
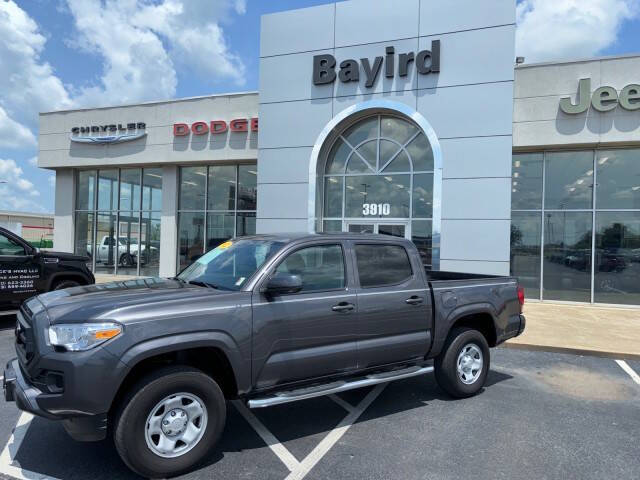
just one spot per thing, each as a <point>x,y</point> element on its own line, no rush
<point>603,99</point>
<point>426,61</point>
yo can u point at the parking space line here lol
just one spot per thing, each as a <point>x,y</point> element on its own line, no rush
<point>344,404</point>
<point>625,366</point>
<point>272,442</point>
<point>11,449</point>
<point>336,434</point>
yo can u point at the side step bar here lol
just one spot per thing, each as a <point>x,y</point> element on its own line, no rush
<point>336,387</point>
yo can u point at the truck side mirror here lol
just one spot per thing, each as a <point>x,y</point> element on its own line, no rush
<point>283,283</point>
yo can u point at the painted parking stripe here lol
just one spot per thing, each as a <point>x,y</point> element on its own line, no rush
<point>336,434</point>
<point>343,403</point>
<point>625,366</point>
<point>272,442</point>
<point>10,451</point>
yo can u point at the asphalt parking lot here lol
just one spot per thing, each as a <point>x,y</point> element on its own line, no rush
<point>541,415</point>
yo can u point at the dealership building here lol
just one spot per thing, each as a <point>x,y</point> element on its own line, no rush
<point>407,118</point>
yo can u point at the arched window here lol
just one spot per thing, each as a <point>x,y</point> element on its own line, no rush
<point>378,178</point>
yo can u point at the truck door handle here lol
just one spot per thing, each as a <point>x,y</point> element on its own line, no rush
<point>343,307</point>
<point>414,300</point>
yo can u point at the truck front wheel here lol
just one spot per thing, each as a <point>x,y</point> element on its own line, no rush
<point>462,367</point>
<point>169,421</point>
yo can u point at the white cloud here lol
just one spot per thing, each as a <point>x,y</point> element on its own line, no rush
<point>17,193</point>
<point>14,134</point>
<point>567,29</point>
<point>143,44</point>
<point>33,161</point>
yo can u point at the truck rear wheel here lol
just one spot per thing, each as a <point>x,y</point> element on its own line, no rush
<point>169,421</point>
<point>462,367</point>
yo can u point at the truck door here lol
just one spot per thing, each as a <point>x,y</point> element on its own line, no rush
<point>19,271</point>
<point>394,305</point>
<point>311,333</point>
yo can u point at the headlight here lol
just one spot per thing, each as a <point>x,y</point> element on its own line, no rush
<point>82,336</point>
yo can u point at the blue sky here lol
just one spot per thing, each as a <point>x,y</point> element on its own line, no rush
<point>58,54</point>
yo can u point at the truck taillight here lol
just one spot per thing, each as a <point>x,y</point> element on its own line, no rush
<point>521,297</point>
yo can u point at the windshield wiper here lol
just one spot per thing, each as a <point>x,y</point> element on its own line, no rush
<point>200,283</point>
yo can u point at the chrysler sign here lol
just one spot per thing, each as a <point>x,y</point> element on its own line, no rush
<point>110,133</point>
<point>426,61</point>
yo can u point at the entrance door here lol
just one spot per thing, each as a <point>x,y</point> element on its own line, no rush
<point>394,229</point>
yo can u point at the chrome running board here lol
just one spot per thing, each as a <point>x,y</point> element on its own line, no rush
<point>336,387</point>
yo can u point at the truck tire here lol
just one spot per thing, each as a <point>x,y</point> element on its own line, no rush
<point>169,421</point>
<point>65,284</point>
<point>126,260</point>
<point>462,367</point>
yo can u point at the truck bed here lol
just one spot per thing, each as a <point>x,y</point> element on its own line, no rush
<point>436,275</point>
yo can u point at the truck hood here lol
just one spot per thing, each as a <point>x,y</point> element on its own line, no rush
<point>128,301</point>
<point>64,256</point>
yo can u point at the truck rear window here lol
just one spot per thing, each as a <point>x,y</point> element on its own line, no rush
<point>380,265</point>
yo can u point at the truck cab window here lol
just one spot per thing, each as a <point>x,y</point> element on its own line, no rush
<point>380,265</point>
<point>321,267</point>
<point>9,246</point>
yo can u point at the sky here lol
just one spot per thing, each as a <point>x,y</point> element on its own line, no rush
<point>63,54</point>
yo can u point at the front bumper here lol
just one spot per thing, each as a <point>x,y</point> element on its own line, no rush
<point>17,389</point>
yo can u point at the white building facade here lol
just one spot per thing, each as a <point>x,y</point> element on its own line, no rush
<point>404,118</point>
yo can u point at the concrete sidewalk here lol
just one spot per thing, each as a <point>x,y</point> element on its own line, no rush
<point>582,329</point>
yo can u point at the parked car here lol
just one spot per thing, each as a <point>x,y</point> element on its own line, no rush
<point>26,271</point>
<point>267,319</point>
<point>126,252</point>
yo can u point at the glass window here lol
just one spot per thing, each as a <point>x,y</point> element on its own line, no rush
<point>362,131</point>
<point>107,253</point>
<point>150,244</point>
<point>333,197</point>
<point>526,181</point>
<point>245,224</point>
<point>421,154</point>
<point>8,246</point>
<point>617,267</point>
<point>370,190</point>
<point>332,226</point>
<point>193,181</point>
<point>190,237</point>
<point>222,188</point>
<point>85,190</point>
<point>108,189</point>
<point>397,129</point>
<point>84,235</point>
<point>247,187</point>
<point>128,243</point>
<point>338,157</point>
<point>421,235</point>
<point>526,236</point>
<point>152,190</point>
<point>320,267</point>
<point>568,180</point>
<point>229,266</point>
<point>618,179</point>
<point>422,195</point>
<point>220,228</point>
<point>567,256</point>
<point>130,189</point>
<point>380,265</point>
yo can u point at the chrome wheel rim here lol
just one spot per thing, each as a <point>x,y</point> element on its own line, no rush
<point>176,425</point>
<point>469,365</point>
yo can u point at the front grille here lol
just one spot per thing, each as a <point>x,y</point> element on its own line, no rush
<point>25,342</point>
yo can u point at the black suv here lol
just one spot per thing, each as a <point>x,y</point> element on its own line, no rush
<point>26,271</point>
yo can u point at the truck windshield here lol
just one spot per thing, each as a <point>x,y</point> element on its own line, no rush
<point>231,264</point>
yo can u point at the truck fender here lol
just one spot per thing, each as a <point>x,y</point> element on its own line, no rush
<point>174,343</point>
<point>443,327</point>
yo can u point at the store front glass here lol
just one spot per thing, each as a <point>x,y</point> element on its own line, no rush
<point>216,203</point>
<point>575,227</point>
<point>378,178</point>
<point>117,220</point>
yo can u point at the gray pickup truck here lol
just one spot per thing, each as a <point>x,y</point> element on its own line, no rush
<point>267,319</point>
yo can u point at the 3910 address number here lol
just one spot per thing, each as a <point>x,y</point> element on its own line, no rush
<point>369,209</point>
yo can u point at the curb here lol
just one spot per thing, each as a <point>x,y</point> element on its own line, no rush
<point>572,351</point>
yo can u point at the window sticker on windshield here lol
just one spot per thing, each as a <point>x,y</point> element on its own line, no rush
<point>240,281</point>
<point>224,245</point>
